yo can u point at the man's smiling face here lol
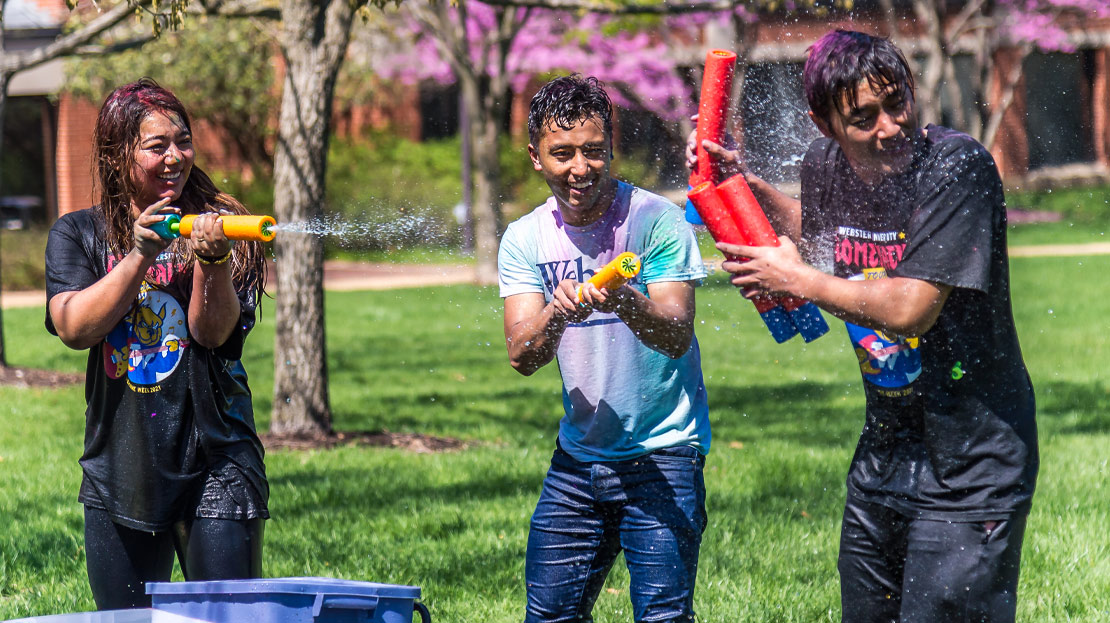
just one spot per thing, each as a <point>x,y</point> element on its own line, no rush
<point>575,164</point>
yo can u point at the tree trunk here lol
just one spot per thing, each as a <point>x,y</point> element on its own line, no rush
<point>481,69</point>
<point>314,40</point>
<point>4,79</point>
<point>485,130</point>
<point>931,13</point>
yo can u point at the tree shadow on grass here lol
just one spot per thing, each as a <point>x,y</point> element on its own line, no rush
<point>1073,408</point>
<point>58,540</point>
<point>808,413</point>
<point>525,410</point>
<point>382,493</point>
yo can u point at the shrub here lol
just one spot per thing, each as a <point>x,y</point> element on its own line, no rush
<point>1084,206</point>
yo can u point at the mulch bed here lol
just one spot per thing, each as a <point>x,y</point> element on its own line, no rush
<point>11,376</point>
<point>411,442</point>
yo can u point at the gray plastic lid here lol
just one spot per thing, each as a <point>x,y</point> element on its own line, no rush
<point>285,586</point>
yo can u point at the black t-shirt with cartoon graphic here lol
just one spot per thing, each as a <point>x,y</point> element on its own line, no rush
<point>161,409</point>
<point>950,430</point>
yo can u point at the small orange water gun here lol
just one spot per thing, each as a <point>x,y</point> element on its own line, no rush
<point>236,226</point>
<point>615,274</point>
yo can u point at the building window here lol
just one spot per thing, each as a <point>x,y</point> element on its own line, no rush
<point>1058,108</point>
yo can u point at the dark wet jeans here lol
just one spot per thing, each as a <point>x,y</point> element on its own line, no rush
<point>903,570</point>
<point>651,507</point>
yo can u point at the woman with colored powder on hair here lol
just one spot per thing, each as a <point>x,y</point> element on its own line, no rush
<point>171,462</point>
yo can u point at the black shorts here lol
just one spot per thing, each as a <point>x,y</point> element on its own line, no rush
<point>895,568</point>
<point>228,493</point>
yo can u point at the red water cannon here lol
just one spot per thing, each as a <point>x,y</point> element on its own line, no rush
<point>713,114</point>
<point>715,213</point>
<point>752,222</point>
<point>730,211</point>
<point>713,110</point>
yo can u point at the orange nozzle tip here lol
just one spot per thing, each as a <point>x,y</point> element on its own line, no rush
<point>701,187</point>
<point>723,53</point>
<point>266,223</point>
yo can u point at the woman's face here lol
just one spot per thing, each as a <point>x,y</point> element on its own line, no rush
<point>162,161</point>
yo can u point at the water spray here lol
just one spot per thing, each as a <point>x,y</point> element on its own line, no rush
<point>614,274</point>
<point>252,227</point>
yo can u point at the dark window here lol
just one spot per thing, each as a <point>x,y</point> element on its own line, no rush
<point>643,137</point>
<point>1058,105</point>
<point>439,110</point>
<point>23,159</point>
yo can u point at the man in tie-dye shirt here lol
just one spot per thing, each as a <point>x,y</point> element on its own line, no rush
<point>627,469</point>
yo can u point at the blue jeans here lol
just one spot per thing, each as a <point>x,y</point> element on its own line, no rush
<point>652,507</point>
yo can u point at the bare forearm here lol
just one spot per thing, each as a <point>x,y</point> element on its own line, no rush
<point>906,307</point>
<point>664,327</point>
<point>532,343</point>
<point>84,318</point>
<point>784,211</point>
<point>213,306</point>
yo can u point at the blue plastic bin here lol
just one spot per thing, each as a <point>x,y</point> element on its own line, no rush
<point>140,615</point>
<point>289,600</point>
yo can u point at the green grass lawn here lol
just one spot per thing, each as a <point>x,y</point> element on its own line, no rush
<point>432,360</point>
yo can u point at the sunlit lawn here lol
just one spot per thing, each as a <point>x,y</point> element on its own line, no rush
<point>432,360</point>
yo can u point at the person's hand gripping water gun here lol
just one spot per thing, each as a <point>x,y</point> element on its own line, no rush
<point>750,219</point>
<point>614,274</point>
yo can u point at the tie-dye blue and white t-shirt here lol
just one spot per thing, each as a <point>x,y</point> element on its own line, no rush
<point>622,399</point>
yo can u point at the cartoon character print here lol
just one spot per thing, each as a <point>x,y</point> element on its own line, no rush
<point>885,360</point>
<point>149,343</point>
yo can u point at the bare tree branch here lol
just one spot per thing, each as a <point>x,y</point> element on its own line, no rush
<point>1009,88</point>
<point>112,48</point>
<point>235,9</point>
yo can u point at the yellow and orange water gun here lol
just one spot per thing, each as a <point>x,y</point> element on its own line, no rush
<point>615,274</point>
<point>256,227</point>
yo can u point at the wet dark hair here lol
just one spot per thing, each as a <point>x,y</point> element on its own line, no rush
<point>566,101</point>
<point>839,60</point>
<point>115,140</point>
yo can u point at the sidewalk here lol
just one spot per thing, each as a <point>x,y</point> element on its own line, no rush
<point>347,276</point>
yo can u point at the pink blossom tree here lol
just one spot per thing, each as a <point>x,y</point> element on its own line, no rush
<point>493,51</point>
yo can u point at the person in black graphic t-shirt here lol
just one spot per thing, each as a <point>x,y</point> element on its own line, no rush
<point>171,461</point>
<point>904,230</point>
